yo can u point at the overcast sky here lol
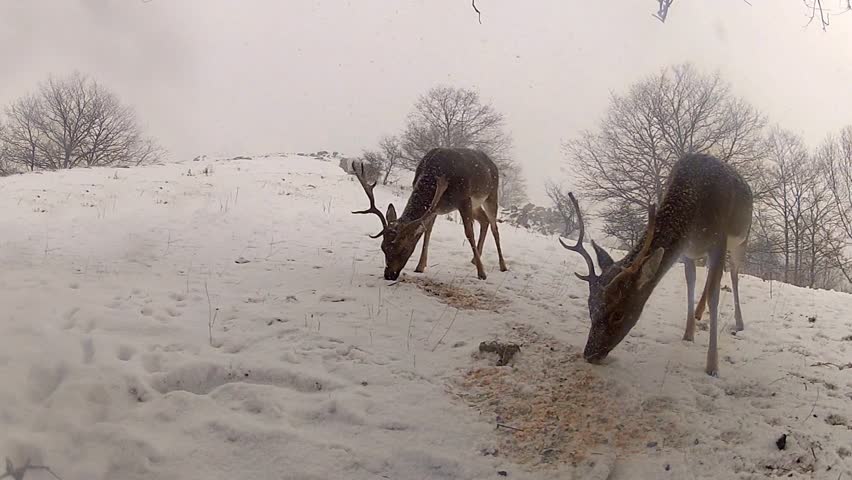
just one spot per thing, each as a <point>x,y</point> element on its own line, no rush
<point>253,76</point>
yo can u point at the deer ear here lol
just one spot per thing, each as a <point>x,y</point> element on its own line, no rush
<point>391,215</point>
<point>604,260</point>
<point>650,267</point>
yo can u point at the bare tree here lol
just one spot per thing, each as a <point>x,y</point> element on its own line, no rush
<point>679,110</point>
<point>373,162</point>
<point>454,117</point>
<point>558,196</point>
<point>789,176</point>
<point>65,120</point>
<point>835,155</point>
<point>5,167</point>
<point>74,121</point>
<point>388,158</point>
<point>823,230</point>
<point>801,212</point>
<point>21,135</point>
<point>457,117</point>
<point>114,135</point>
<point>513,185</point>
<point>763,257</point>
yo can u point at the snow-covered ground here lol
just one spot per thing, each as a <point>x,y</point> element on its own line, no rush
<point>316,368</point>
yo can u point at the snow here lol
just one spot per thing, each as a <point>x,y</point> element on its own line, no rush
<point>235,324</point>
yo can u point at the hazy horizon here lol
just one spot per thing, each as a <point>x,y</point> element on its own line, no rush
<point>218,77</point>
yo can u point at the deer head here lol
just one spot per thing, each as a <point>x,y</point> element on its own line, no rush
<point>399,238</point>
<point>618,295</point>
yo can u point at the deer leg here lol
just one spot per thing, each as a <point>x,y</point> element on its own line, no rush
<point>689,270</point>
<point>421,265</point>
<point>702,302</point>
<point>737,257</point>
<point>483,232</point>
<point>466,212</point>
<point>490,209</point>
<point>715,262</point>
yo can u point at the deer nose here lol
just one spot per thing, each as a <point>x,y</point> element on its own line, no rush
<point>594,357</point>
<point>391,275</point>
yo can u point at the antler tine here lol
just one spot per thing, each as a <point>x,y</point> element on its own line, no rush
<point>640,258</point>
<point>649,237</point>
<point>579,248</point>
<point>441,185</point>
<point>368,189</point>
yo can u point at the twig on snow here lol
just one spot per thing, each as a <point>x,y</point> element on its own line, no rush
<point>211,315</point>
<point>446,332</point>
<point>830,364</point>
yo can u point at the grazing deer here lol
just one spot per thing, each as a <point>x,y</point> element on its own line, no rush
<point>446,180</point>
<point>706,211</point>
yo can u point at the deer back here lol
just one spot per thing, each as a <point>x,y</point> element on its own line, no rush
<point>469,174</point>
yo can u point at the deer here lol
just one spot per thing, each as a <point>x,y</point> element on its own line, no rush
<point>706,211</point>
<point>446,180</point>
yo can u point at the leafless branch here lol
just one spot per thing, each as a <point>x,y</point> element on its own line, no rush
<point>830,364</point>
<point>663,11</point>
<point>478,13</point>
<point>815,7</point>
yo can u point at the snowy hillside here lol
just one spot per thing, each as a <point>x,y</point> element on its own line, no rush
<point>234,325</point>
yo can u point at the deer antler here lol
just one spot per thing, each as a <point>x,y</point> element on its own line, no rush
<point>579,248</point>
<point>642,256</point>
<point>368,189</point>
<point>441,185</point>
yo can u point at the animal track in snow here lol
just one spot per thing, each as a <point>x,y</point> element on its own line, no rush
<point>202,378</point>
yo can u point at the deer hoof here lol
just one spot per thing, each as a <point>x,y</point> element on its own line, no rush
<point>503,268</point>
<point>419,269</point>
<point>482,276</point>
<point>688,337</point>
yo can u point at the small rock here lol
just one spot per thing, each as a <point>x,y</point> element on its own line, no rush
<point>489,452</point>
<point>651,444</point>
<point>503,473</point>
<point>781,443</point>
<point>668,467</point>
<point>241,261</point>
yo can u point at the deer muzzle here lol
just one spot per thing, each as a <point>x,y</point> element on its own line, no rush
<point>594,356</point>
<point>391,274</point>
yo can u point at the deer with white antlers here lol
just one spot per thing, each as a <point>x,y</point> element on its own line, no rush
<point>446,180</point>
<point>706,211</point>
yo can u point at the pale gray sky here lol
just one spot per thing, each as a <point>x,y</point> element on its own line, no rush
<point>230,77</point>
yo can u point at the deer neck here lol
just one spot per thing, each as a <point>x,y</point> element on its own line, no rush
<point>420,199</point>
<point>671,233</point>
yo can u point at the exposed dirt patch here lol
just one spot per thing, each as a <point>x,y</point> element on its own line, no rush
<point>552,408</point>
<point>460,296</point>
